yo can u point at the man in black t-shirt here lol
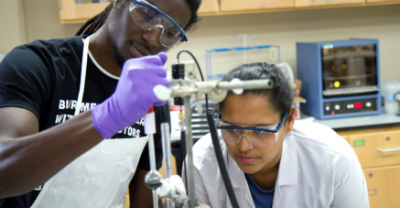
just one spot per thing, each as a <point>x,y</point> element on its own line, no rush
<point>60,98</point>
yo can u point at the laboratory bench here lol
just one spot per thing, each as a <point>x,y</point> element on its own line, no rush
<point>361,122</point>
<point>376,141</point>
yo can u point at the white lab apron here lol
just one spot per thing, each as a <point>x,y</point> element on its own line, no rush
<point>98,178</point>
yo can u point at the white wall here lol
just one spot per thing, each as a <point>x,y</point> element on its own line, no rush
<point>279,28</point>
<point>12,25</point>
<point>43,20</point>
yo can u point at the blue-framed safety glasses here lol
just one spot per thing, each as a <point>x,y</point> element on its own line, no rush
<point>149,17</point>
<point>256,135</point>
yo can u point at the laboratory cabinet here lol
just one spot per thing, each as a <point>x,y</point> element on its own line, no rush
<point>383,186</point>
<point>312,3</point>
<point>382,1</point>
<point>208,6</point>
<point>70,12</point>
<point>378,150</point>
<point>240,5</point>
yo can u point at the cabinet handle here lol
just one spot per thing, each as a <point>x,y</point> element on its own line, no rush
<point>389,150</point>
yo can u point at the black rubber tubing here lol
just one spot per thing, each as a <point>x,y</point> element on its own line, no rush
<point>220,159</point>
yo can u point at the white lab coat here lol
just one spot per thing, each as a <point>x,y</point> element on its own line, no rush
<point>318,169</point>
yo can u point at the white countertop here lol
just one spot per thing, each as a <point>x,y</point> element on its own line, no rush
<point>357,122</point>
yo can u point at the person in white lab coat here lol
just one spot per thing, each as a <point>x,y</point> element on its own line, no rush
<point>273,160</point>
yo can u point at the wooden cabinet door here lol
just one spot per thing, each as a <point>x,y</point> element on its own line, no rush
<point>240,5</point>
<point>310,3</point>
<point>377,149</point>
<point>208,6</point>
<point>383,186</point>
<point>273,4</point>
<point>77,13</point>
<point>383,1</point>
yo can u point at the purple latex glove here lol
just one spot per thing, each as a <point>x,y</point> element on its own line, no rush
<point>133,96</point>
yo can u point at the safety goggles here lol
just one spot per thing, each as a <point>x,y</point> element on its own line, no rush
<point>149,17</point>
<point>255,135</point>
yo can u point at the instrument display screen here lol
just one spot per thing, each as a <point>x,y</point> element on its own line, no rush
<point>349,70</point>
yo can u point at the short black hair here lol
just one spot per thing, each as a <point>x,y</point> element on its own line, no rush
<point>281,94</point>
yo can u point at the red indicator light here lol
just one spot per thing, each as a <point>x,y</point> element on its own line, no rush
<point>357,105</point>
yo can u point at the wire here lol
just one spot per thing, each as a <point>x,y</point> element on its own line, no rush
<point>198,67</point>
<point>221,163</point>
<point>214,136</point>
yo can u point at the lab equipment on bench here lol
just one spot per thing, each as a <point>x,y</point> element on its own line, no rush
<point>339,78</point>
<point>391,97</point>
<point>172,188</point>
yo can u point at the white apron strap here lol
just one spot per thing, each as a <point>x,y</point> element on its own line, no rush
<point>100,176</point>
<point>77,108</point>
<point>83,75</point>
